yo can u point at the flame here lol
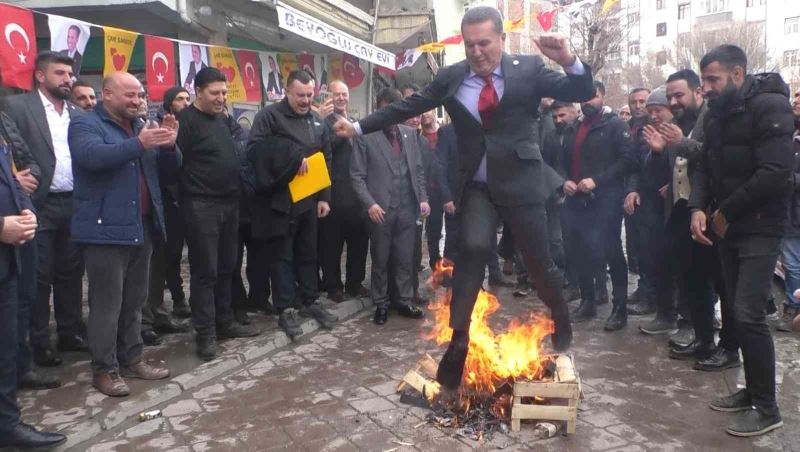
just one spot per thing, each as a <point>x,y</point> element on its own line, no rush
<point>493,359</point>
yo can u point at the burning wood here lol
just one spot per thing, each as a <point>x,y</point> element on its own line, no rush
<point>506,375</point>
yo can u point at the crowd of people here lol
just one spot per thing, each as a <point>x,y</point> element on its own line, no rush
<point>700,171</point>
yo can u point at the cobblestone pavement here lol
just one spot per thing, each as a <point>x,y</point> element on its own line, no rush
<point>335,390</point>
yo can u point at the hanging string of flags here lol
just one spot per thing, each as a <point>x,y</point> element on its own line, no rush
<point>246,70</point>
<point>545,19</point>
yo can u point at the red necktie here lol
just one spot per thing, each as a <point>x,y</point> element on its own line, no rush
<point>395,141</point>
<point>487,102</point>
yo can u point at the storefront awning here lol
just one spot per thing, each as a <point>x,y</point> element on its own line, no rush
<point>315,30</point>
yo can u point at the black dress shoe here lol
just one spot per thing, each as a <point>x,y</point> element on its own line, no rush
<point>45,357</point>
<point>381,314</point>
<point>36,381</point>
<point>151,338</point>
<point>618,318</point>
<point>24,437</point>
<point>72,344</point>
<point>697,350</point>
<point>721,359</point>
<point>171,326</point>
<point>585,311</point>
<point>180,308</point>
<point>451,367</point>
<point>562,337</point>
<point>412,312</point>
<point>241,317</point>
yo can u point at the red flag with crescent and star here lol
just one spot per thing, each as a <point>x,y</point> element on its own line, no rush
<point>251,75</point>
<point>351,71</point>
<point>17,47</point>
<point>159,66</point>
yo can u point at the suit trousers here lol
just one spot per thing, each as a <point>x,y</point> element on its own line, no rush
<point>27,297</point>
<point>554,232</point>
<point>433,229</point>
<point>344,225</point>
<point>529,227</point>
<point>212,241</point>
<point>118,285</point>
<point>389,248</point>
<point>572,258</point>
<point>173,252</point>
<point>154,312</point>
<point>451,236</point>
<point>257,272</point>
<point>9,411</point>
<point>294,263</point>
<point>59,266</point>
<point>747,266</point>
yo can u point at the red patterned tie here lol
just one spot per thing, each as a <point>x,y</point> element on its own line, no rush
<point>487,102</point>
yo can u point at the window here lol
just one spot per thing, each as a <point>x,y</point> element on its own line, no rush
<point>633,19</point>
<point>613,53</point>
<point>715,6</point>
<point>659,4</point>
<point>661,58</point>
<point>661,29</point>
<point>633,48</point>
<point>791,58</point>
<point>683,11</point>
<point>791,25</point>
<point>749,3</point>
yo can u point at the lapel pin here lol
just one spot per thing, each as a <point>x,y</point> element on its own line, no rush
<point>516,62</point>
<point>405,136</point>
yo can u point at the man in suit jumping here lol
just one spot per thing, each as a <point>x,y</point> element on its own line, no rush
<point>493,99</point>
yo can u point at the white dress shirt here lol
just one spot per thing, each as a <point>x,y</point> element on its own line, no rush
<point>58,124</point>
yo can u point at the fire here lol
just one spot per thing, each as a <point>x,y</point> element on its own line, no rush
<point>493,359</point>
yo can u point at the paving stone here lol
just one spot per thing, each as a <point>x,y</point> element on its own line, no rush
<point>309,430</point>
<point>147,428</point>
<point>265,439</point>
<point>137,404</point>
<point>207,372</point>
<point>181,408</point>
<point>372,405</point>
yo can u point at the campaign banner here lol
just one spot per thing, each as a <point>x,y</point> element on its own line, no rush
<point>118,49</point>
<point>223,59</point>
<point>69,36</point>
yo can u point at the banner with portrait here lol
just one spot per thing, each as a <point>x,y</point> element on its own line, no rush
<point>69,36</point>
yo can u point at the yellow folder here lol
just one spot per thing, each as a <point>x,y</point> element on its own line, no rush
<point>314,181</point>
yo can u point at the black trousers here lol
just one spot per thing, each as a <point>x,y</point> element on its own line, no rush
<point>173,251</point>
<point>9,411</point>
<point>342,226</point>
<point>529,226</point>
<point>631,240</point>
<point>154,312</point>
<point>451,236</point>
<point>666,252</point>
<point>294,263</point>
<point>60,266</point>
<point>433,228</point>
<point>747,266</point>
<point>27,297</point>
<point>257,272</point>
<point>594,229</point>
<point>212,241</point>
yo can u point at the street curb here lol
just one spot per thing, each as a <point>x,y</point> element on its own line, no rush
<point>251,351</point>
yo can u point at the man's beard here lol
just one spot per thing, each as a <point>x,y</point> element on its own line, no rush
<point>717,100</point>
<point>60,92</point>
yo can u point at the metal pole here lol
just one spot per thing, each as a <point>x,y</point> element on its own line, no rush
<point>372,66</point>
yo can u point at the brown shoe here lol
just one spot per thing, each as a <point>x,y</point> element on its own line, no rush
<point>144,371</point>
<point>110,384</point>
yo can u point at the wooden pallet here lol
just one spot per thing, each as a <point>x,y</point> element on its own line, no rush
<point>566,386</point>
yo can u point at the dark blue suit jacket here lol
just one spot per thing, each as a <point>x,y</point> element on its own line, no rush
<point>12,201</point>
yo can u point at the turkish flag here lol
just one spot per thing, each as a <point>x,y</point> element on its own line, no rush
<point>351,71</point>
<point>251,75</point>
<point>17,47</point>
<point>159,66</point>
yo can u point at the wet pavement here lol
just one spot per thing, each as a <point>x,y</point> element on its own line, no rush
<point>335,390</point>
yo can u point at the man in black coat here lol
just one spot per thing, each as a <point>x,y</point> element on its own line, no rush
<point>17,227</point>
<point>284,135</point>
<point>598,154</point>
<point>493,99</point>
<point>347,222</point>
<point>739,191</point>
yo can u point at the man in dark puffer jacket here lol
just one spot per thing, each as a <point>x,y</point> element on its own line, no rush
<point>739,189</point>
